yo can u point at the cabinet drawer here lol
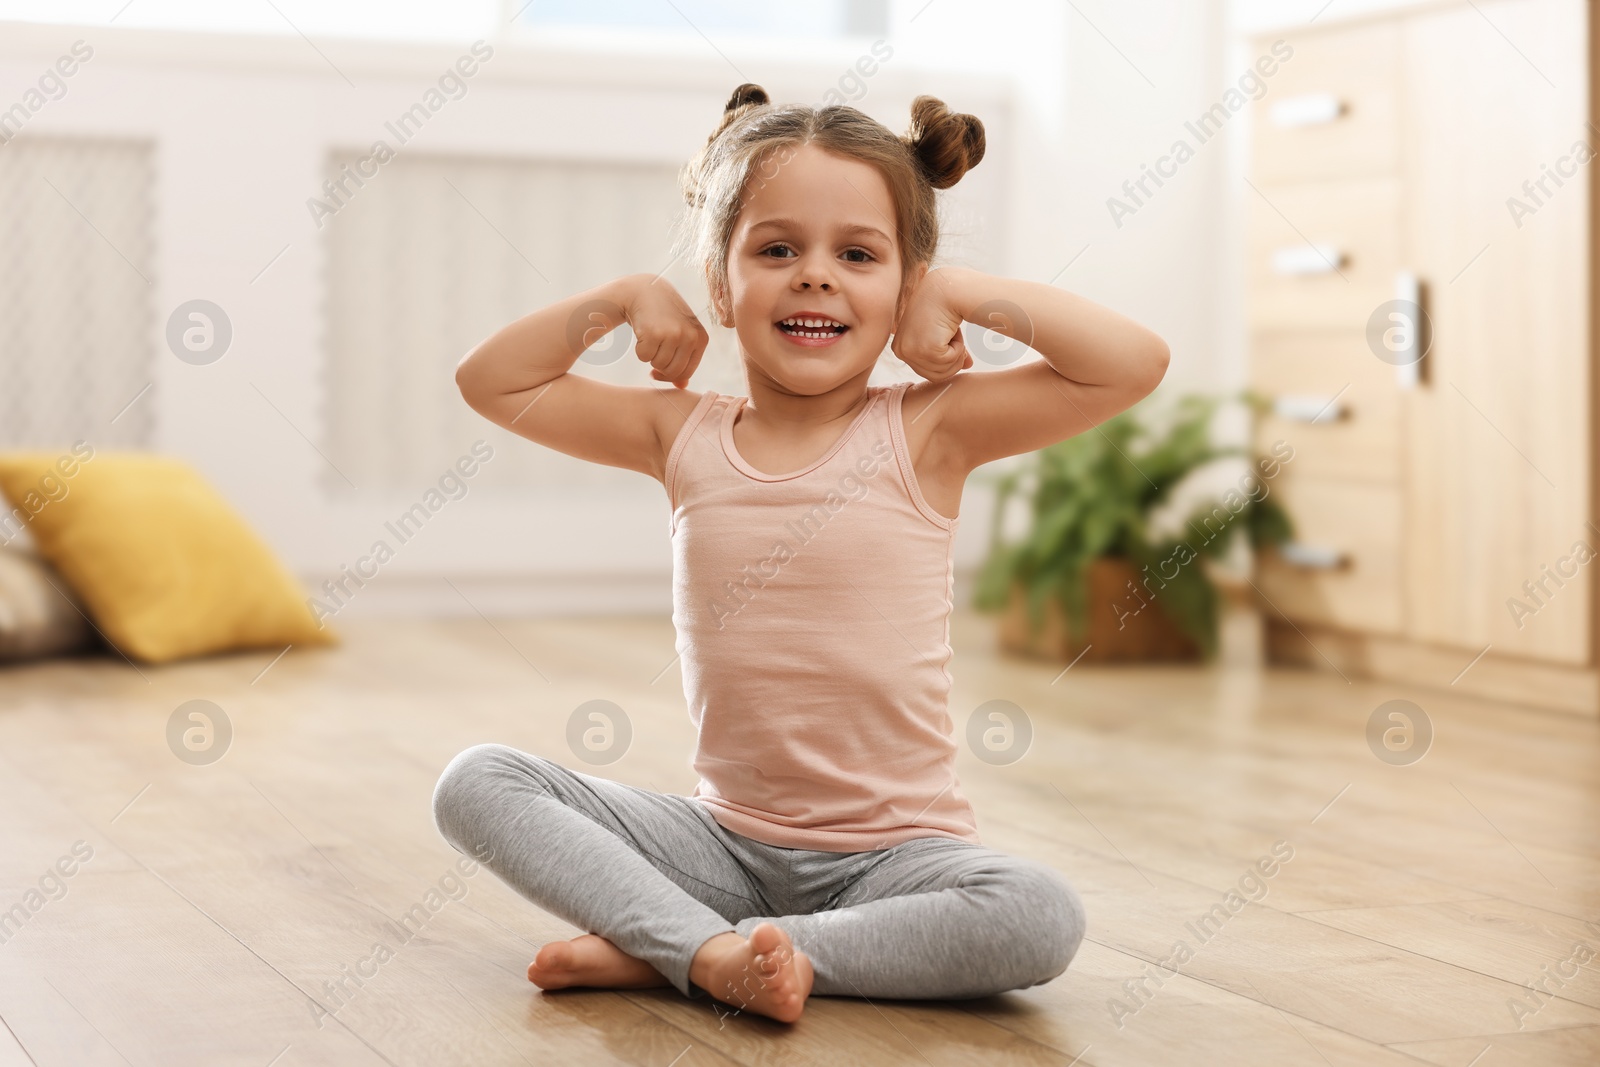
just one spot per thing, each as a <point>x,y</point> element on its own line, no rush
<point>1331,108</point>
<point>1322,257</point>
<point>1336,377</point>
<point>1360,525</point>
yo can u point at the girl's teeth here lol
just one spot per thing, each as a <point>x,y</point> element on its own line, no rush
<point>812,329</point>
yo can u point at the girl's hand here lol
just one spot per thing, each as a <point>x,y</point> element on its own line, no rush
<point>667,333</point>
<point>929,339</point>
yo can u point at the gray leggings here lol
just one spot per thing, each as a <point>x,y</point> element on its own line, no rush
<point>657,876</point>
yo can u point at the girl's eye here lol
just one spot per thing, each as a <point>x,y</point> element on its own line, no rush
<point>866,257</point>
<point>778,252</point>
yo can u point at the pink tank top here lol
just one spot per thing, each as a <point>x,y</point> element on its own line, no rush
<point>813,620</point>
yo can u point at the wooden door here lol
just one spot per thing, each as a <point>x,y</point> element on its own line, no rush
<point>1498,435</point>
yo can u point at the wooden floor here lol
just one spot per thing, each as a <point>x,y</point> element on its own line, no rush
<point>220,899</point>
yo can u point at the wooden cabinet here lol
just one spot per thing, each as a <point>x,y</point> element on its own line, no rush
<point>1448,145</point>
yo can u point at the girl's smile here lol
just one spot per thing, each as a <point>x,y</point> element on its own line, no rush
<point>812,329</point>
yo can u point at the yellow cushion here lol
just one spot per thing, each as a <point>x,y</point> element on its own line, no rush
<point>161,563</point>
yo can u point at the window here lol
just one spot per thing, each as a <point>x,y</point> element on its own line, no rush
<point>824,19</point>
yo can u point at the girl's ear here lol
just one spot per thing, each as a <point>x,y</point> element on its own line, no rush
<point>913,279</point>
<point>721,307</point>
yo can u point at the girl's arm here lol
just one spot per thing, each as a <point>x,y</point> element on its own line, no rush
<point>518,377</point>
<point>1096,363</point>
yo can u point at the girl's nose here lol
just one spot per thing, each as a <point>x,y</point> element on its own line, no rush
<point>816,275</point>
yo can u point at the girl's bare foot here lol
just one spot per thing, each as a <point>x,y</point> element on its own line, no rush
<point>591,961</point>
<point>763,974</point>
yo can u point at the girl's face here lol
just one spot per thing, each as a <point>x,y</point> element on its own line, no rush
<point>814,271</point>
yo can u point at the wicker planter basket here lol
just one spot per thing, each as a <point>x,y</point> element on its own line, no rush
<point>1120,629</point>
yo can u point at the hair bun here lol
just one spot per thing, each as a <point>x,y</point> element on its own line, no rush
<point>946,143</point>
<point>748,93</point>
<point>744,98</point>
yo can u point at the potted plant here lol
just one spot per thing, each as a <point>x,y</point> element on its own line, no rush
<point>1090,578</point>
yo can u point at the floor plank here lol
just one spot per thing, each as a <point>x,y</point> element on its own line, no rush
<point>1575,1047</point>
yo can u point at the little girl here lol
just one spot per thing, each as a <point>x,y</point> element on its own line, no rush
<point>828,847</point>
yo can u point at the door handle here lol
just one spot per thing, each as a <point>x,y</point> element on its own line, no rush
<point>1408,329</point>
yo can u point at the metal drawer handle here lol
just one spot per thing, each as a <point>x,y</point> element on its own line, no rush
<point>1307,407</point>
<point>1312,109</point>
<point>1313,557</point>
<point>1307,259</point>
<point>1410,330</point>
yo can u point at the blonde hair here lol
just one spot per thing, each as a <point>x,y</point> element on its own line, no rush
<point>940,146</point>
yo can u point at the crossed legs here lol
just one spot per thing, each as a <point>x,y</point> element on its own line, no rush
<point>662,888</point>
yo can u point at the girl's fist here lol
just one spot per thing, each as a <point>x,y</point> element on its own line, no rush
<point>928,337</point>
<point>667,333</point>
